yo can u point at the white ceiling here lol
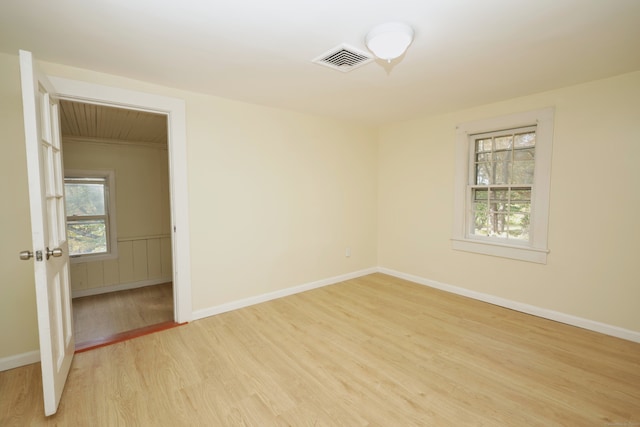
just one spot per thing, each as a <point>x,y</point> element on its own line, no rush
<point>465,52</point>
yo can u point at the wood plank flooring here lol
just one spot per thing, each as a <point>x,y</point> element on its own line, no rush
<point>373,351</point>
<point>101,316</point>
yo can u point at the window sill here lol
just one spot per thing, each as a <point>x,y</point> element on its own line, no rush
<point>79,259</point>
<point>521,253</point>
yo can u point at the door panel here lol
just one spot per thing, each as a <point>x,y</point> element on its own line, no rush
<point>48,226</point>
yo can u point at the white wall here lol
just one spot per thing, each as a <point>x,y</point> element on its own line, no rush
<point>594,234</point>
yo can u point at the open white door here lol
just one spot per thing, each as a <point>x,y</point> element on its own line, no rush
<point>48,226</point>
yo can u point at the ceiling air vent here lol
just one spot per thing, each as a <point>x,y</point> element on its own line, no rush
<point>344,58</point>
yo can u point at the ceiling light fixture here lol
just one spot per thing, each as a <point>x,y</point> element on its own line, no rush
<point>389,41</point>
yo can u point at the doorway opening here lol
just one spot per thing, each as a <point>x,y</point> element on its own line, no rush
<point>119,233</point>
<point>174,111</point>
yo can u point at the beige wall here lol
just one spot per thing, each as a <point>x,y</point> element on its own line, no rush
<point>143,213</point>
<point>141,261</point>
<point>142,183</point>
<point>594,233</point>
<point>275,198</point>
<point>18,323</point>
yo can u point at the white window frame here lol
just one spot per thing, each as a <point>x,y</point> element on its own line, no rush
<point>536,249</point>
<point>112,243</point>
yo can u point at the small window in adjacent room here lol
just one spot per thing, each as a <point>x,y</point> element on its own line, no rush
<point>502,186</point>
<point>90,206</point>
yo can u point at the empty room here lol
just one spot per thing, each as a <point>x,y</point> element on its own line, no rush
<point>355,213</point>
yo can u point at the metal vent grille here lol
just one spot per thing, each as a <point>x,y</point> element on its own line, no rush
<point>344,58</point>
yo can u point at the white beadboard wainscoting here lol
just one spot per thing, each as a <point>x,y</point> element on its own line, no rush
<point>142,261</point>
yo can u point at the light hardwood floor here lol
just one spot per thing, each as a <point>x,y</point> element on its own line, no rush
<point>104,315</point>
<point>374,351</point>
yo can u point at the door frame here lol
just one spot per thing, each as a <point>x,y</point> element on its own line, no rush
<point>175,111</point>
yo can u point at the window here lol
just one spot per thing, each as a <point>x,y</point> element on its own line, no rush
<point>502,186</point>
<point>502,178</point>
<point>90,206</point>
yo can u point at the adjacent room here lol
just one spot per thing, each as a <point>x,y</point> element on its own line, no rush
<point>118,220</point>
<point>329,213</point>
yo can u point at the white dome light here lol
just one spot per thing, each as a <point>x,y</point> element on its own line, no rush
<point>389,41</point>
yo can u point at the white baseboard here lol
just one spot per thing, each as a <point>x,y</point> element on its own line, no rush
<point>234,305</point>
<point>557,316</point>
<point>34,356</point>
<point>18,360</point>
<point>78,293</point>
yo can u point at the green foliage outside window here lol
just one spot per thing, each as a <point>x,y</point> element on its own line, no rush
<point>501,197</point>
<point>86,215</point>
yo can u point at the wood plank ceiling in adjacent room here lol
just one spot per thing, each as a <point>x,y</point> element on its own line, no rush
<point>104,123</point>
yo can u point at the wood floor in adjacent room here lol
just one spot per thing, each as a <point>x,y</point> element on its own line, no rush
<point>373,351</point>
<point>103,316</point>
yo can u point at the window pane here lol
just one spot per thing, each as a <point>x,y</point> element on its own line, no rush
<point>523,154</point>
<point>503,171</point>
<point>480,194</point>
<point>523,172</point>
<point>525,140</point>
<point>498,224</point>
<point>519,226</point>
<point>483,157</point>
<point>502,156</point>
<point>520,207</point>
<point>481,219</point>
<point>87,237</point>
<point>499,206</point>
<point>483,145</point>
<point>483,174</point>
<point>84,199</point>
<point>520,195</point>
<point>504,142</point>
<point>501,194</point>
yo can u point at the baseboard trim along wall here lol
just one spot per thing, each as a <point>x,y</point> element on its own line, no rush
<point>568,319</point>
<point>246,302</point>
<point>78,293</point>
<point>18,360</point>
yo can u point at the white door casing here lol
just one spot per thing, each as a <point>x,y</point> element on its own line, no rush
<point>48,228</point>
<point>175,111</point>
